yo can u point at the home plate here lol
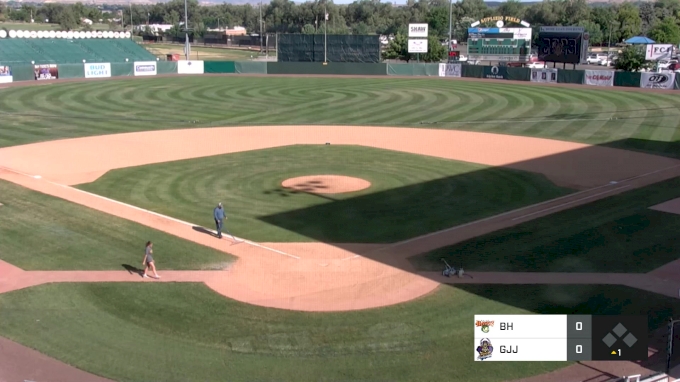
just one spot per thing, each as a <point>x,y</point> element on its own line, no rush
<point>613,182</point>
<point>37,176</point>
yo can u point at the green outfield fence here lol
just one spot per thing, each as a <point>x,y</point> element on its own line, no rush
<point>605,77</point>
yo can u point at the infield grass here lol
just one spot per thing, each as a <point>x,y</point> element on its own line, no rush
<point>41,232</point>
<point>185,332</point>
<point>410,195</point>
<point>616,234</point>
<point>645,121</point>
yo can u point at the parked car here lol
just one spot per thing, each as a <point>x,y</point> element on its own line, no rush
<point>594,58</point>
<point>607,61</point>
<point>674,67</point>
<point>664,64</point>
<point>537,65</point>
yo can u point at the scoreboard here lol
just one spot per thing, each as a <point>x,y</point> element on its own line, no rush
<point>563,44</point>
<point>538,337</point>
<point>499,44</point>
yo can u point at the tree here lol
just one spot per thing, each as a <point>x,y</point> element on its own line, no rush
<point>512,8</point>
<point>594,31</point>
<point>308,29</point>
<point>398,49</point>
<point>647,17</point>
<point>631,59</point>
<point>628,18</point>
<point>435,51</point>
<point>666,32</point>
<point>67,19</point>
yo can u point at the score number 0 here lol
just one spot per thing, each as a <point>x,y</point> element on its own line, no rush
<point>579,348</point>
<point>559,46</point>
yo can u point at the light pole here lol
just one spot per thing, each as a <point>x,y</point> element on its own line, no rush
<point>609,44</point>
<point>218,23</point>
<point>450,27</point>
<point>132,25</point>
<point>260,26</point>
<point>187,46</point>
<point>325,30</point>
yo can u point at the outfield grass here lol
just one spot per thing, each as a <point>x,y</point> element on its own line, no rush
<point>646,121</point>
<point>202,53</point>
<point>41,232</point>
<point>616,234</point>
<point>410,195</point>
<point>185,332</point>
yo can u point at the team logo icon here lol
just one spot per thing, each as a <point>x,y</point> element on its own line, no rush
<point>484,349</point>
<point>485,326</point>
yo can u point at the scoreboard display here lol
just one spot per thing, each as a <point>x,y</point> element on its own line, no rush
<point>538,337</point>
<point>563,44</point>
<point>499,44</point>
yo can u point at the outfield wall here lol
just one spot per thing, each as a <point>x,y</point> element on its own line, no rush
<point>605,77</point>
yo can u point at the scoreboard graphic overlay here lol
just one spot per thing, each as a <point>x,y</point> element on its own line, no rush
<point>555,337</point>
<point>567,45</point>
<point>499,44</point>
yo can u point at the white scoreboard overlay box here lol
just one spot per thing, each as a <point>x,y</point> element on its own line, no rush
<point>560,337</point>
<point>521,337</point>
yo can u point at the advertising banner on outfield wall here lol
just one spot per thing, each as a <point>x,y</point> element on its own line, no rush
<point>145,68</point>
<point>544,75</point>
<point>5,74</point>
<point>599,77</point>
<point>190,67</point>
<point>496,72</point>
<point>46,72</point>
<point>100,70</point>
<point>651,80</point>
<point>450,70</point>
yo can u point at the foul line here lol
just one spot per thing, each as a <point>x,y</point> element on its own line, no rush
<point>149,212</point>
<point>572,202</point>
<point>527,207</point>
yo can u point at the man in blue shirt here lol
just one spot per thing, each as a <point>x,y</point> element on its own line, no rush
<point>219,216</point>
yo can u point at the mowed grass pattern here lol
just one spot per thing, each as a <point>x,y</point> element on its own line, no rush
<point>41,232</point>
<point>185,332</point>
<point>616,234</point>
<point>641,121</point>
<point>410,195</point>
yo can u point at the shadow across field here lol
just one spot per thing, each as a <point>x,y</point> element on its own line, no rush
<point>616,234</point>
<point>579,239</point>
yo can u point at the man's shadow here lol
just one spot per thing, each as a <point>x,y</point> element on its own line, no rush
<point>132,270</point>
<point>204,230</point>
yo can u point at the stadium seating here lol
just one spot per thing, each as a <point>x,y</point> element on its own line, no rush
<point>63,51</point>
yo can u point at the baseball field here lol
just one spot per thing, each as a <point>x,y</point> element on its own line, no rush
<point>342,195</point>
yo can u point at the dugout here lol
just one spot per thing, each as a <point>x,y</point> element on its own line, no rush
<point>338,48</point>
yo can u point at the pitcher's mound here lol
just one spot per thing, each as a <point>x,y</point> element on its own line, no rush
<point>326,184</point>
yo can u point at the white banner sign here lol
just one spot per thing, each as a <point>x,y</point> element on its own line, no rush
<point>658,51</point>
<point>651,80</point>
<point>518,33</point>
<point>145,68</point>
<point>5,75</point>
<point>190,67</point>
<point>544,75</point>
<point>450,70</point>
<point>599,77</point>
<point>97,70</point>
<point>417,30</point>
<point>417,46</point>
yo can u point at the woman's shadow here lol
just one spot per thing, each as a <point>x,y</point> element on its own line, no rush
<point>132,270</point>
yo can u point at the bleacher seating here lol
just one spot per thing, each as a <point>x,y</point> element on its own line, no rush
<point>64,51</point>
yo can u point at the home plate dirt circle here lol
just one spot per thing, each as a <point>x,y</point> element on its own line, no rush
<point>326,184</point>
